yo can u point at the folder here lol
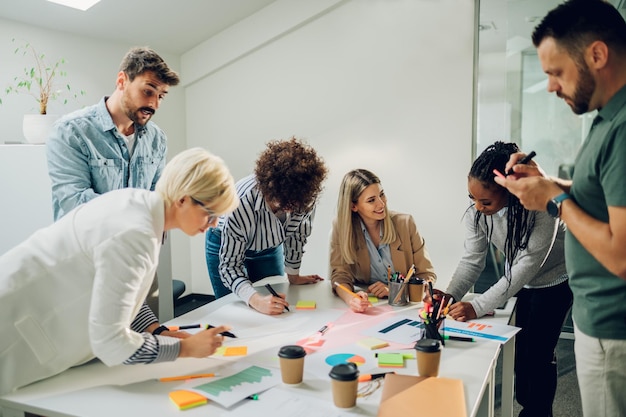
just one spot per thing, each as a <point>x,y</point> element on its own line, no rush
<point>420,396</point>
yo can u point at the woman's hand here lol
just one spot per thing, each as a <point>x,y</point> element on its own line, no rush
<point>202,344</point>
<point>462,311</point>
<point>437,294</point>
<point>268,304</point>
<point>378,289</point>
<point>178,334</point>
<point>304,279</point>
<point>359,304</point>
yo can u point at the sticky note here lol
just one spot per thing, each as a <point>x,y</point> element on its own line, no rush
<point>305,305</point>
<point>187,399</point>
<point>390,360</point>
<point>372,343</point>
<point>236,351</point>
<point>372,299</point>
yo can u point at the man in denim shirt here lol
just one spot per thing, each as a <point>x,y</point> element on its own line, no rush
<point>112,144</point>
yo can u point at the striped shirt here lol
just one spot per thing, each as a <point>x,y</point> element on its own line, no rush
<point>155,348</point>
<point>253,226</point>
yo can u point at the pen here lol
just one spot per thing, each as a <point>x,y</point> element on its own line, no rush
<point>274,293</point>
<point>347,290</point>
<point>252,397</point>
<point>523,161</point>
<point>185,377</point>
<point>371,377</point>
<point>198,326</point>
<point>459,338</point>
<point>323,330</point>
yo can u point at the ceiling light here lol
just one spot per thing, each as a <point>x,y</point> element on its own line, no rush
<point>76,4</point>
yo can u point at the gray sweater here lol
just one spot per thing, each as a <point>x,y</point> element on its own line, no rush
<point>527,269</point>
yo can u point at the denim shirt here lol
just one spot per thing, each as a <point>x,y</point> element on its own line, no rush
<point>87,156</point>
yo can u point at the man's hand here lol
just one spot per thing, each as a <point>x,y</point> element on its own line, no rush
<point>533,192</point>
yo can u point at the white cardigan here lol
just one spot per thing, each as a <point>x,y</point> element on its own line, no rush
<point>71,290</point>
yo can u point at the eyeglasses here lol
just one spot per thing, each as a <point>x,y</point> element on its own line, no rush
<point>212,215</point>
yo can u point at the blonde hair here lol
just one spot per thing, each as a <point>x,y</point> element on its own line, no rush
<point>347,221</point>
<point>199,174</point>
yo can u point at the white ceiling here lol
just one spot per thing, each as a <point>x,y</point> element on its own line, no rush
<point>173,26</point>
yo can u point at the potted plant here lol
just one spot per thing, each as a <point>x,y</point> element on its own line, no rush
<point>39,80</point>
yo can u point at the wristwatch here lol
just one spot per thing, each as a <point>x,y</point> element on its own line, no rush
<point>554,206</point>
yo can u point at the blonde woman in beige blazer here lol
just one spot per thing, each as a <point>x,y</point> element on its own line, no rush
<point>368,241</point>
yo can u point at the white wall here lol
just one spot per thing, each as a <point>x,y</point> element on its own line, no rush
<point>91,65</point>
<point>377,84</point>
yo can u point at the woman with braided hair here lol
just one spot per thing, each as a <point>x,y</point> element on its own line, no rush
<point>532,243</point>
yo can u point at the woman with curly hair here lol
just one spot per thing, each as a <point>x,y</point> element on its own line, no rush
<point>532,243</point>
<point>367,239</point>
<point>266,234</point>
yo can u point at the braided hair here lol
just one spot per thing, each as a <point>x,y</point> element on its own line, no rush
<point>520,222</point>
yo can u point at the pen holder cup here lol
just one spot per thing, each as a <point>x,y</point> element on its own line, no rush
<point>431,330</point>
<point>398,294</point>
<point>416,290</point>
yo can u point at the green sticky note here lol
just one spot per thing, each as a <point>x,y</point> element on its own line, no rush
<point>372,299</point>
<point>305,305</point>
<point>394,360</point>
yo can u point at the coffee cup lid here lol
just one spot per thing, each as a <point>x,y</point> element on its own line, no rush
<point>428,345</point>
<point>291,352</point>
<point>344,372</point>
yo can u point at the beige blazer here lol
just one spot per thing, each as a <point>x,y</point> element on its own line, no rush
<point>408,248</point>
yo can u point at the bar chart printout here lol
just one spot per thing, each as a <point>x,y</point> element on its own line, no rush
<point>234,388</point>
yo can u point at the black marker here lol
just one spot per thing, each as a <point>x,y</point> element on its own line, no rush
<point>274,293</point>
<point>523,161</point>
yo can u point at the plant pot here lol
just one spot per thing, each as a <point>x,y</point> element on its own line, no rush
<point>37,127</point>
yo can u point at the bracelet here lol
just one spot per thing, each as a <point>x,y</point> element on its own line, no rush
<point>160,330</point>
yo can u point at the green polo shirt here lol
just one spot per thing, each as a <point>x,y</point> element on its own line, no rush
<point>599,181</point>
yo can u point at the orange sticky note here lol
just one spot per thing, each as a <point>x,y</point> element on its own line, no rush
<point>187,399</point>
<point>236,351</point>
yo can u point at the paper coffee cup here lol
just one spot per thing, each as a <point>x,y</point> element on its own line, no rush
<point>428,353</point>
<point>292,364</point>
<point>416,290</point>
<point>344,384</point>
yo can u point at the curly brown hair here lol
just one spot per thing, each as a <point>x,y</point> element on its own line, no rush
<point>290,173</point>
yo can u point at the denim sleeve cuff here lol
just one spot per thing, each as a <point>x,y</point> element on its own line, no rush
<point>169,349</point>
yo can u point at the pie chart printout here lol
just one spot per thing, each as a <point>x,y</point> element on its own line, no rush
<point>340,358</point>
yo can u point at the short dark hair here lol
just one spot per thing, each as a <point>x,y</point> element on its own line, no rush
<point>142,59</point>
<point>575,24</point>
<point>290,173</point>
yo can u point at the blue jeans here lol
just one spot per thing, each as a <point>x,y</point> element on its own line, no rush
<point>258,264</point>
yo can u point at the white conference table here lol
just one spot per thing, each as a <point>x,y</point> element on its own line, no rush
<point>94,390</point>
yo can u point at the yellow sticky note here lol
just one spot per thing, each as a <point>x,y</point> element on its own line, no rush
<point>305,305</point>
<point>236,351</point>
<point>372,343</point>
<point>220,351</point>
<point>372,299</point>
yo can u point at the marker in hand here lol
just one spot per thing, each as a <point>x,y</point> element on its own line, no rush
<point>523,161</point>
